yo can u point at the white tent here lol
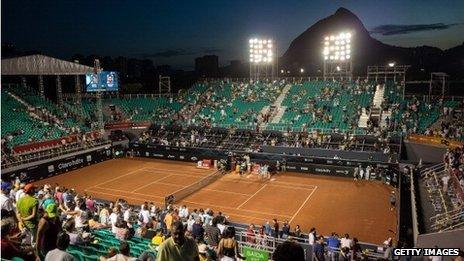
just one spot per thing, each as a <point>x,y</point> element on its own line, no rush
<point>42,65</point>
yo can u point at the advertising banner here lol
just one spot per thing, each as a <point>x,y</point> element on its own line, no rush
<point>252,254</point>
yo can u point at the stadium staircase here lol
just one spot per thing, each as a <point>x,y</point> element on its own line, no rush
<point>278,104</point>
<point>276,109</point>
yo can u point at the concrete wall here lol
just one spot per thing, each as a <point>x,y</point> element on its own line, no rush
<point>453,239</point>
<point>428,153</point>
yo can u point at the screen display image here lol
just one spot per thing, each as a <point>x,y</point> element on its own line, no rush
<point>102,82</point>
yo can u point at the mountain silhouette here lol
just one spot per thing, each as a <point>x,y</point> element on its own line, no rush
<point>305,51</point>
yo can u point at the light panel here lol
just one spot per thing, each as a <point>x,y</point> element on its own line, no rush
<point>261,50</point>
<point>337,47</point>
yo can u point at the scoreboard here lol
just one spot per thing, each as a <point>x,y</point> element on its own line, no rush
<point>102,82</point>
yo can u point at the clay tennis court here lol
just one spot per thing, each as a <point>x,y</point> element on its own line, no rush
<point>331,204</point>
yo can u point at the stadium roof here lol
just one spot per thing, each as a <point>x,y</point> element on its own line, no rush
<point>42,65</point>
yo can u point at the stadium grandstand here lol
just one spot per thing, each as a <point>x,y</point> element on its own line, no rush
<point>336,167</point>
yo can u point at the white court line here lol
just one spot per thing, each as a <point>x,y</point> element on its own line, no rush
<point>225,191</point>
<point>290,184</point>
<point>233,209</point>
<point>176,171</point>
<point>125,192</point>
<point>302,205</point>
<point>118,177</point>
<point>252,196</point>
<point>144,196</point>
<point>120,196</point>
<point>289,187</point>
<point>146,185</point>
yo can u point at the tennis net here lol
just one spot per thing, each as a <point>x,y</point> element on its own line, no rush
<point>184,192</point>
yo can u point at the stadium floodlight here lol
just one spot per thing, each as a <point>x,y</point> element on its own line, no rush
<point>261,51</point>
<point>337,47</point>
<point>282,71</point>
<point>301,70</point>
<point>391,64</point>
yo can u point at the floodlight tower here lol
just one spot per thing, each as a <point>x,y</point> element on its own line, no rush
<point>262,58</point>
<point>337,54</point>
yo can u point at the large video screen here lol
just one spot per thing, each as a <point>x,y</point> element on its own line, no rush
<point>102,82</point>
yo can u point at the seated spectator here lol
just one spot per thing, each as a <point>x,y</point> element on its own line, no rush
<point>75,238</point>
<point>11,248</point>
<point>122,232</point>
<point>124,254</point>
<point>59,253</point>
<point>158,239</point>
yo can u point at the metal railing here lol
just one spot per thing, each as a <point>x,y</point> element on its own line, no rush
<point>51,153</point>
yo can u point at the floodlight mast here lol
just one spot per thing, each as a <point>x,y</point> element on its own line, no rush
<point>337,56</point>
<point>262,58</point>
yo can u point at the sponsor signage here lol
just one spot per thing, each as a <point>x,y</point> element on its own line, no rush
<point>252,254</point>
<point>56,167</point>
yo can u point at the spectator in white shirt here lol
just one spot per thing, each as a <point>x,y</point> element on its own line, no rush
<point>20,192</point>
<point>312,236</point>
<point>114,219</point>
<point>144,216</point>
<point>127,214</point>
<point>5,200</point>
<point>346,242</point>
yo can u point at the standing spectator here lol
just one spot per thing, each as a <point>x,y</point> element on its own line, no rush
<point>114,219</point>
<point>168,220</point>
<point>356,250</point>
<point>346,242</point>
<point>392,200</point>
<point>297,232</point>
<point>285,230</point>
<point>90,203</point>
<point>190,223</point>
<point>275,232</point>
<point>178,247</point>
<point>5,200</point>
<point>312,236</point>
<point>20,192</point>
<point>27,208</point>
<point>144,216</point>
<point>318,249</point>
<point>333,244</point>
<point>127,214</point>
<point>212,234</point>
<point>268,229</point>
<point>59,253</point>
<point>250,234</point>
<point>228,246</point>
<point>48,229</point>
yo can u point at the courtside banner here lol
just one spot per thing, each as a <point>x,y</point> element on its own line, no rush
<point>56,167</point>
<point>252,254</point>
<point>195,154</point>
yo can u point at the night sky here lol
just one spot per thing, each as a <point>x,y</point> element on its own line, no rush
<point>175,32</point>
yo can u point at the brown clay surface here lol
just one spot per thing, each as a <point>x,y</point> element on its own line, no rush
<point>330,204</point>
